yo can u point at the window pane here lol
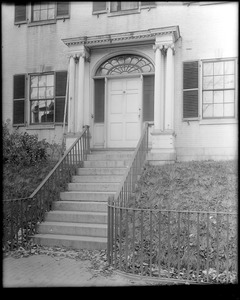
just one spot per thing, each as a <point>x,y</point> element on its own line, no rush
<point>208,83</point>
<point>42,93</point>
<point>208,97</point>
<point>49,92</point>
<point>34,93</point>
<point>218,110</point>
<point>207,110</point>
<point>115,6</point>
<point>229,81</point>
<point>34,112</point>
<point>218,96</point>
<point>229,67</point>
<point>51,5</point>
<point>218,82</point>
<point>229,110</point>
<point>34,81</point>
<point>50,14</point>
<point>229,96</point>
<point>129,5</point>
<point>207,69</point>
<point>50,111</point>
<point>42,80</point>
<point>218,68</point>
<point>50,81</point>
<point>36,15</point>
<point>43,15</point>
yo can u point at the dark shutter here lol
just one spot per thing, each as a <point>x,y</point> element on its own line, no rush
<point>60,92</point>
<point>62,9</point>
<point>61,82</point>
<point>59,109</point>
<point>190,90</point>
<point>148,3</point>
<point>19,99</point>
<point>99,88</point>
<point>99,7</point>
<point>148,98</point>
<point>20,13</point>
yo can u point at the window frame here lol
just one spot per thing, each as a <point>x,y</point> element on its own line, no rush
<point>212,120</point>
<point>123,12</point>
<point>45,124</point>
<point>223,89</point>
<point>29,16</point>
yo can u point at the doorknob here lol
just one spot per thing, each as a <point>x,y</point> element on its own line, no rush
<point>139,113</point>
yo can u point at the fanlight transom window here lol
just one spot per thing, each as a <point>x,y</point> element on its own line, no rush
<point>125,64</point>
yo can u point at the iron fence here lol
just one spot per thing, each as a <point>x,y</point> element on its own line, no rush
<point>187,246</point>
<point>21,216</point>
<point>172,245</point>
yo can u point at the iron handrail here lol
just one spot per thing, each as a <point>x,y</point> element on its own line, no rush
<point>131,163</point>
<point>22,215</point>
<point>59,163</point>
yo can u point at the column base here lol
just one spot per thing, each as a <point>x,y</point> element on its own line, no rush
<point>163,148</point>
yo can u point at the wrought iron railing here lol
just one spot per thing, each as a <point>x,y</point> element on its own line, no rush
<point>170,245</point>
<point>21,216</point>
<point>128,183</point>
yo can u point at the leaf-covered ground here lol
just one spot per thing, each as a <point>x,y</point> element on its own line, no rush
<point>196,185</point>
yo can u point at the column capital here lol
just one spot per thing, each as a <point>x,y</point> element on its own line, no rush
<point>84,53</point>
<point>170,46</point>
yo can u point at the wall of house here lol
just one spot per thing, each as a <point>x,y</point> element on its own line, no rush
<point>207,32</point>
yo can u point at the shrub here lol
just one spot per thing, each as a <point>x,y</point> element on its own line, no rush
<point>22,149</point>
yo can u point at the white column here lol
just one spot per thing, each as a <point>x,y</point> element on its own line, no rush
<point>71,94</point>
<point>158,93</point>
<point>80,102</point>
<point>169,89</point>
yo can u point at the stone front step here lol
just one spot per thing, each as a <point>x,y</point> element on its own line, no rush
<point>105,164</point>
<point>76,217</point>
<point>71,241</point>
<point>67,228</point>
<point>93,187</point>
<point>97,178</point>
<point>80,206</point>
<point>110,156</point>
<point>101,171</point>
<point>86,196</point>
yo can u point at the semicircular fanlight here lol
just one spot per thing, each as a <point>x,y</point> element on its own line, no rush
<point>125,64</point>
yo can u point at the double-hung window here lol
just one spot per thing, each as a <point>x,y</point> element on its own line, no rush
<point>217,97</point>
<point>218,94</point>
<point>41,12</point>
<point>47,97</point>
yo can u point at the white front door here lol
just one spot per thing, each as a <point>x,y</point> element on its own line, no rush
<point>124,112</point>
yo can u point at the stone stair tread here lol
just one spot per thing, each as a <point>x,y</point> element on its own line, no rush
<point>100,213</point>
<point>71,237</point>
<point>69,224</point>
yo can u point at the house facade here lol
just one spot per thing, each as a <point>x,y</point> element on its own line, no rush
<point>116,65</point>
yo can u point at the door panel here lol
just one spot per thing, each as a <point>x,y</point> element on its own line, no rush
<point>124,107</point>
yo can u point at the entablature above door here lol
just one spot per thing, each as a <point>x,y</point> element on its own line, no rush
<point>125,38</point>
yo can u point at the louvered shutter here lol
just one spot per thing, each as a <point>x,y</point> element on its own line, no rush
<point>99,88</point>
<point>20,14</point>
<point>19,97</point>
<point>60,93</point>
<point>99,7</point>
<point>62,9</point>
<point>190,90</point>
<point>148,98</point>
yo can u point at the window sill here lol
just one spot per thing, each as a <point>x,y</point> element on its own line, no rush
<point>39,23</point>
<point>123,13</point>
<point>218,121</point>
